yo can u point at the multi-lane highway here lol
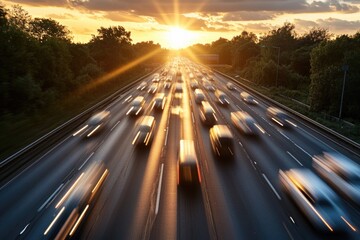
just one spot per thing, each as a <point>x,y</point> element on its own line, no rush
<point>137,196</point>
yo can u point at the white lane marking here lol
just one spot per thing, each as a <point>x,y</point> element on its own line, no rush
<point>240,144</point>
<point>296,145</point>
<point>166,136</point>
<point>292,219</point>
<point>24,229</point>
<point>127,99</point>
<point>86,161</point>
<point>288,232</point>
<point>159,190</point>
<point>49,199</point>
<point>192,115</point>
<point>271,186</point>
<point>114,126</point>
<point>294,158</point>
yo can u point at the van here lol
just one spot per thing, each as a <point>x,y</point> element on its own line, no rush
<point>199,96</point>
<point>145,132</point>
<point>207,114</point>
<point>137,106</point>
<point>222,141</point>
<point>188,172</point>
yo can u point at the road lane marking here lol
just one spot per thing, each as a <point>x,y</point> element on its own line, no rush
<point>271,186</point>
<point>166,136</point>
<point>294,158</point>
<point>114,126</point>
<point>296,145</point>
<point>192,115</point>
<point>86,161</point>
<point>127,99</point>
<point>24,229</point>
<point>159,190</point>
<point>50,198</point>
<point>288,232</point>
<point>292,219</point>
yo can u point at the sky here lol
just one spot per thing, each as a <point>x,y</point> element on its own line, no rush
<point>180,23</point>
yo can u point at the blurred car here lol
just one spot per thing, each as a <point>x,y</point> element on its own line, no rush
<point>167,85</point>
<point>221,98</point>
<point>244,122</point>
<point>248,98</point>
<point>209,86</point>
<point>199,96</point>
<point>188,171</point>
<point>142,86</point>
<point>319,204</point>
<point>145,132</point>
<point>222,141</point>
<point>341,173</point>
<point>277,116</point>
<point>194,84</point>
<point>207,114</point>
<point>65,214</point>
<point>153,88</point>
<point>230,86</point>
<point>94,125</point>
<point>178,88</point>
<point>159,101</point>
<point>137,106</point>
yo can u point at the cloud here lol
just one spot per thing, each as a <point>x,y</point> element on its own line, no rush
<point>334,25</point>
<point>61,16</point>
<point>122,16</point>
<point>248,16</point>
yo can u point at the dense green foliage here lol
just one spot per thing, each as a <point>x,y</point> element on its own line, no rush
<point>310,63</point>
<point>40,64</point>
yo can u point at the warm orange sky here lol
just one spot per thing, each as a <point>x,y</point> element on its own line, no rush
<point>179,23</point>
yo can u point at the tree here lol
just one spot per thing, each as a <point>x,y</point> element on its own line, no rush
<point>43,29</point>
<point>111,48</point>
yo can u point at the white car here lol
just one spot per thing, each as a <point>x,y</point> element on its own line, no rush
<point>341,173</point>
<point>319,204</point>
<point>245,123</point>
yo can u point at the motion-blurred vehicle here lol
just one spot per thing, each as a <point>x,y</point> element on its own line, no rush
<point>159,101</point>
<point>341,173</point>
<point>69,209</point>
<point>167,85</point>
<point>248,98</point>
<point>319,204</point>
<point>142,86</point>
<point>188,171</point>
<point>194,84</point>
<point>207,114</point>
<point>178,73</point>
<point>199,96</point>
<point>95,124</point>
<point>278,116</point>
<point>221,98</point>
<point>209,86</point>
<point>137,106</point>
<point>178,88</point>
<point>222,141</point>
<point>230,86</point>
<point>244,122</point>
<point>153,88</point>
<point>145,132</point>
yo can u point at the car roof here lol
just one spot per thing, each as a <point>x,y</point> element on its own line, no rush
<point>312,183</point>
<point>187,151</point>
<point>222,131</point>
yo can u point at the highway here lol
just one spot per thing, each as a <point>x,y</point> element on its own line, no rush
<point>137,196</point>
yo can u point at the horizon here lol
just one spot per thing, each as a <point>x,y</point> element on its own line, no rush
<point>176,25</point>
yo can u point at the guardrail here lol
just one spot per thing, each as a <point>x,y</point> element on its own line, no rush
<point>354,145</point>
<point>25,156</point>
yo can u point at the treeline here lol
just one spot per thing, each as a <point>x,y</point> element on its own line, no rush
<point>312,63</point>
<point>39,62</point>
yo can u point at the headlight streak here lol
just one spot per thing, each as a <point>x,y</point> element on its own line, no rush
<point>69,191</point>
<point>78,221</point>
<point>53,221</point>
<point>348,223</point>
<point>129,110</point>
<point>275,120</point>
<point>79,131</point>
<point>92,132</point>
<point>101,180</point>
<point>136,137</point>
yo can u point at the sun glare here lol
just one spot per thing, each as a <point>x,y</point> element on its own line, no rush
<point>179,38</point>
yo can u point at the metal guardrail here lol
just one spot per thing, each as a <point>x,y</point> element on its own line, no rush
<point>25,156</point>
<point>353,144</point>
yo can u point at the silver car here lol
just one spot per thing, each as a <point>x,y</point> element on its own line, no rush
<point>316,200</point>
<point>341,173</point>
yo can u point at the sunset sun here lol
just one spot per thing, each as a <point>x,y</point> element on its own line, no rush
<point>179,38</point>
